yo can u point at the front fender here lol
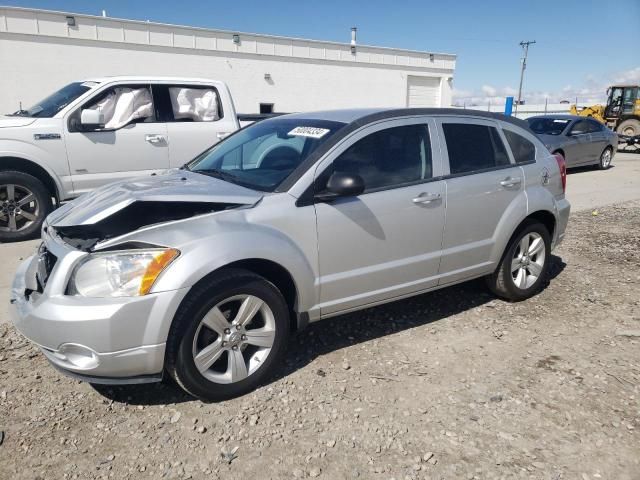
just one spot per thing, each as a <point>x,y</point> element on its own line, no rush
<point>53,163</point>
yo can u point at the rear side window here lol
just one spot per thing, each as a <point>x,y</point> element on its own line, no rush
<point>523,150</point>
<point>595,126</point>
<point>473,147</point>
<point>187,103</point>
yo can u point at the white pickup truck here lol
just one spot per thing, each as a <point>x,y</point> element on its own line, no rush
<point>97,131</point>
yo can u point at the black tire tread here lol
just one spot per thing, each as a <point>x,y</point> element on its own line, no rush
<point>497,281</point>
<point>224,279</point>
<point>44,197</point>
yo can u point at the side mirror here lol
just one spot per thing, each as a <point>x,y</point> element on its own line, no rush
<point>341,184</point>
<point>91,118</point>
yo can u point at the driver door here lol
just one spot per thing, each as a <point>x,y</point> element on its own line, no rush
<point>131,143</point>
<point>578,149</point>
<point>385,242</point>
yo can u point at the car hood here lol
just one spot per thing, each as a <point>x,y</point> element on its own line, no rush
<point>175,192</point>
<point>7,121</point>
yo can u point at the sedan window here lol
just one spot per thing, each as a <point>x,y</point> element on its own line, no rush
<point>389,158</point>
<point>523,150</point>
<point>580,127</point>
<point>473,147</point>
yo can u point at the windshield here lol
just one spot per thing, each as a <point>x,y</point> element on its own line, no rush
<point>55,102</point>
<point>548,126</point>
<point>262,155</point>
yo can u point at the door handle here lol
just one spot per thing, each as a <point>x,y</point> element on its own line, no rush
<point>511,181</point>
<point>427,198</point>
<point>154,138</point>
<point>222,135</point>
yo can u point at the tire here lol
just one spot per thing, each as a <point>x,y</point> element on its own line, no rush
<point>218,301</point>
<point>22,221</point>
<point>605,158</point>
<point>630,127</point>
<point>502,281</point>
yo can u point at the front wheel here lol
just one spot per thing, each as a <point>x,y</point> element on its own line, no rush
<point>24,204</point>
<point>524,265</point>
<point>228,336</point>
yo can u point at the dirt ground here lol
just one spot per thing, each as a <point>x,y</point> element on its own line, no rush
<point>449,385</point>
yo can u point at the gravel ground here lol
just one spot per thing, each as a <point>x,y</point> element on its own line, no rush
<point>448,385</point>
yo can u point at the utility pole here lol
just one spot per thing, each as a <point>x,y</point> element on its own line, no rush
<point>525,47</point>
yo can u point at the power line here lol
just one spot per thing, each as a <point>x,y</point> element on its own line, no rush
<point>525,47</point>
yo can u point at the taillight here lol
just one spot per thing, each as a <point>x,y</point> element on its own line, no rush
<point>562,165</point>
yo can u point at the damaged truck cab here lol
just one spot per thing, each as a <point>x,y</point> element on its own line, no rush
<point>203,272</point>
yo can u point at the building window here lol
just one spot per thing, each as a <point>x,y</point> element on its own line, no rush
<point>266,108</point>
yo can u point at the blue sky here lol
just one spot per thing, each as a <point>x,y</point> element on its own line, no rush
<point>582,45</point>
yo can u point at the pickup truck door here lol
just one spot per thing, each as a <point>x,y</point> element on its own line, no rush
<point>102,155</point>
<point>194,117</point>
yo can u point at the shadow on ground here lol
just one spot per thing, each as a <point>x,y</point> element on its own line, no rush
<point>340,332</point>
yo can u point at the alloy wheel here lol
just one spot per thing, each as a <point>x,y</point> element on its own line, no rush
<point>528,260</point>
<point>605,159</point>
<point>234,339</point>
<point>18,208</point>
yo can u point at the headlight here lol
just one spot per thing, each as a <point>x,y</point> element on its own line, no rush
<point>120,274</point>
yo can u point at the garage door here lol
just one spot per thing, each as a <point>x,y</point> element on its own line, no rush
<point>423,91</point>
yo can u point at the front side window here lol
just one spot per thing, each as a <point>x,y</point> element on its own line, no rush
<point>262,155</point>
<point>389,158</point>
<point>55,102</point>
<point>523,150</point>
<point>473,147</point>
<point>123,105</point>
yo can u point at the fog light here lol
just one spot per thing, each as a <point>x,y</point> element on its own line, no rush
<point>77,355</point>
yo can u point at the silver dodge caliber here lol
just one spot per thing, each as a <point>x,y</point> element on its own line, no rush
<point>203,272</point>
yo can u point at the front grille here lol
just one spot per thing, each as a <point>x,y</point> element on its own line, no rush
<point>46,262</point>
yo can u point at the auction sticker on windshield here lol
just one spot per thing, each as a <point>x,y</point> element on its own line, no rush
<point>312,132</point>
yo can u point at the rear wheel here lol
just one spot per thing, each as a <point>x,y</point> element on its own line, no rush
<point>24,204</point>
<point>524,265</point>
<point>605,158</point>
<point>228,336</point>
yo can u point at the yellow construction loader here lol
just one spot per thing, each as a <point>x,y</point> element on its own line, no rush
<point>621,113</point>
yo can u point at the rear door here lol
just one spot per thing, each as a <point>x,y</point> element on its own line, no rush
<point>385,242</point>
<point>194,117</point>
<point>484,187</point>
<point>132,142</point>
<point>579,150</point>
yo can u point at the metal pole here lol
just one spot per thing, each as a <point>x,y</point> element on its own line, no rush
<point>525,46</point>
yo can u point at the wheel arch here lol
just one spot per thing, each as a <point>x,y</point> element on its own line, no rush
<point>9,163</point>
<point>274,273</point>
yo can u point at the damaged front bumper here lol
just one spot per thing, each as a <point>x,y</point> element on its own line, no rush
<point>101,340</point>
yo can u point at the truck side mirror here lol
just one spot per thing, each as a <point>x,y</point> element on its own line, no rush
<point>92,118</point>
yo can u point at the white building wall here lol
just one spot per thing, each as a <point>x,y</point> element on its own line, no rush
<point>39,53</point>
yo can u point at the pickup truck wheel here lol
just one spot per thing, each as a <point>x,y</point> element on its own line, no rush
<point>227,336</point>
<point>24,204</point>
<point>524,266</point>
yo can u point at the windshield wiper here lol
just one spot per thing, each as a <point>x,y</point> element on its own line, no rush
<point>214,172</point>
<point>19,113</point>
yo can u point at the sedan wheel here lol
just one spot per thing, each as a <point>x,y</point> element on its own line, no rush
<point>228,335</point>
<point>605,158</point>
<point>524,264</point>
<point>234,339</point>
<point>528,261</point>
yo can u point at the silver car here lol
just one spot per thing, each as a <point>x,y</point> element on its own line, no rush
<point>204,272</point>
<point>580,140</point>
